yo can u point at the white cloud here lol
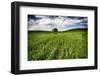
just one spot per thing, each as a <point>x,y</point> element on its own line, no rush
<point>47,24</point>
<point>44,20</point>
<point>39,16</point>
<point>41,27</point>
<point>31,22</point>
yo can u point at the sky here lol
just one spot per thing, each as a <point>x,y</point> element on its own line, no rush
<point>62,23</point>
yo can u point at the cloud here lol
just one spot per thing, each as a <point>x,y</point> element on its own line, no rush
<point>38,16</point>
<point>44,21</point>
<point>48,23</point>
<point>31,22</point>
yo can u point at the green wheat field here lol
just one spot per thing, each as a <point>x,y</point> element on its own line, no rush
<point>43,45</point>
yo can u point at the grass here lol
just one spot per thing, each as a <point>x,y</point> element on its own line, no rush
<point>70,44</point>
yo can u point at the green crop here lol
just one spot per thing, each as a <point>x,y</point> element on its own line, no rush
<point>70,44</point>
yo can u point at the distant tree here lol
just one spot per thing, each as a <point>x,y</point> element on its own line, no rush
<point>55,30</point>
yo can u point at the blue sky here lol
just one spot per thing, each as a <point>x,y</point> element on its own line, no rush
<point>62,23</point>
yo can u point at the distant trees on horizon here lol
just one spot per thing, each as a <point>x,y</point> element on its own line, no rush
<point>55,30</point>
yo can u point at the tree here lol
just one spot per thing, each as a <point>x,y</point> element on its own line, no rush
<point>55,30</point>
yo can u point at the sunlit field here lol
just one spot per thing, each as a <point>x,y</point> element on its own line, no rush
<point>52,45</point>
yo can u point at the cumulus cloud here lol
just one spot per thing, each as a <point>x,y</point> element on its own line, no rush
<point>31,22</point>
<point>47,23</point>
<point>44,21</point>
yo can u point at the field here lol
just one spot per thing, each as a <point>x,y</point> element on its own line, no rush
<point>70,44</point>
